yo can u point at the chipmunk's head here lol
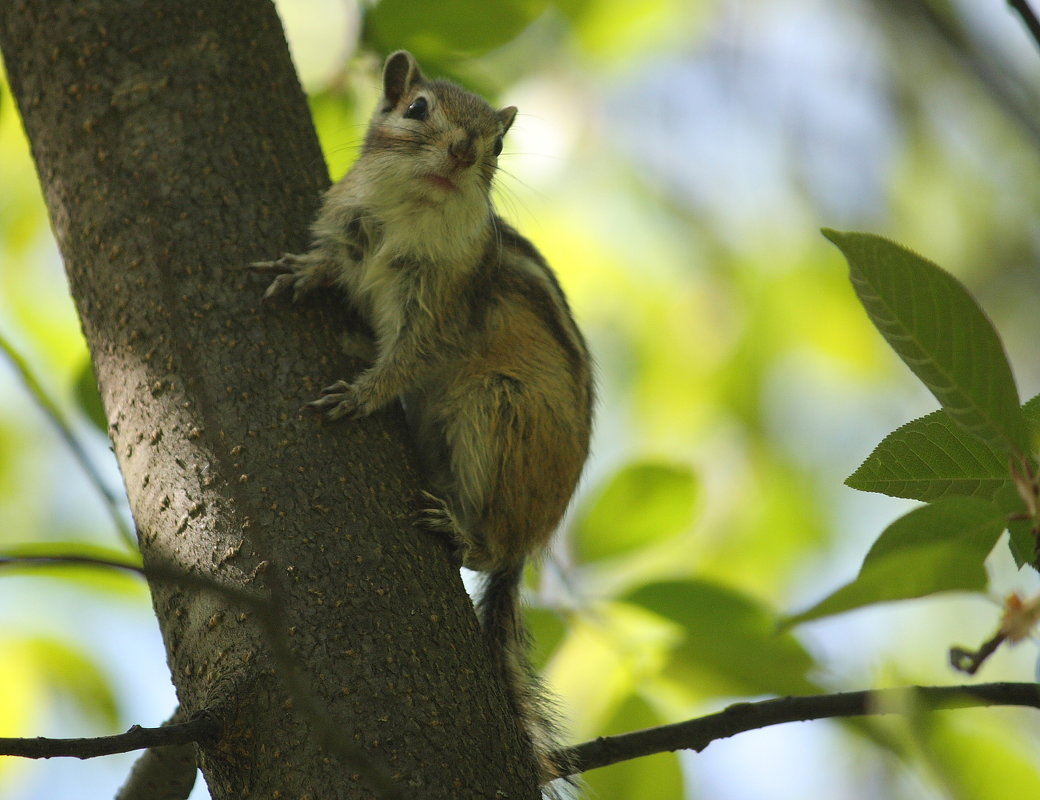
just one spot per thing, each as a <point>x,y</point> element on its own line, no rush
<point>433,139</point>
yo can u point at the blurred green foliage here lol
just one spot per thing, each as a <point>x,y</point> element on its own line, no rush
<point>674,160</point>
<point>453,27</point>
<point>642,504</point>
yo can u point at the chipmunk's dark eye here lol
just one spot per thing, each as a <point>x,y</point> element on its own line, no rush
<point>498,146</point>
<point>419,109</point>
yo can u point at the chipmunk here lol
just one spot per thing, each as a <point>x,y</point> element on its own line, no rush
<point>469,327</point>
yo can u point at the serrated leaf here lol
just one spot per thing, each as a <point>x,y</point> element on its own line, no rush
<point>1021,540</point>
<point>936,548</point>
<point>643,503</point>
<point>729,636</point>
<point>933,457</point>
<point>929,458</point>
<point>933,323</point>
<point>1031,412</point>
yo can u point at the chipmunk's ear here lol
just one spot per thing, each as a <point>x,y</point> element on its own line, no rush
<point>506,117</point>
<point>400,72</point>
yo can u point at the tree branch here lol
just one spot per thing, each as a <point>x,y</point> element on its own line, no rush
<point>162,773</point>
<point>697,734</point>
<point>996,78</point>
<point>201,728</point>
<point>1028,17</point>
<point>69,560</point>
<point>969,661</point>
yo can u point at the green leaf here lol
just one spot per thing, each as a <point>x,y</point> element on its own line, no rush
<point>936,548</point>
<point>1031,412</point>
<point>1021,540</point>
<point>933,457</point>
<point>89,398</point>
<point>434,31</point>
<point>729,638</point>
<point>929,458</point>
<point>933,323</point>
<point>644,503</point>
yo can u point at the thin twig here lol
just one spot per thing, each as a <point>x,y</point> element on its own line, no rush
<point>1028,17</point>
<point>969,661</point>
<point>69,560</point>
<point>153,572</point>
<point>199,729</point>
<point>162,773</point>
<point>53,413</point>
<point>697,734</point>
<point>993,77</point>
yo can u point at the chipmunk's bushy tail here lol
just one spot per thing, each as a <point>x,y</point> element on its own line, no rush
<point>508,641</point>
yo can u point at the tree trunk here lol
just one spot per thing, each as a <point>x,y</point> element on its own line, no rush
<point>174,146</point>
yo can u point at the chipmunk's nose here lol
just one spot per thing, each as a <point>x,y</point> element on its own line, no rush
<point>463,149</point>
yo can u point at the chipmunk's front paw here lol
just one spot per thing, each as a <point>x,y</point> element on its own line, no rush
<point>343,400</point>
<point>281,285</point>
<point>293,273</point>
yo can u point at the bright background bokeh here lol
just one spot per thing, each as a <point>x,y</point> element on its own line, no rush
<point>674,160</point>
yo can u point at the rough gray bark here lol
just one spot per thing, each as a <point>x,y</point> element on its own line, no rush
<point>174,146</point>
